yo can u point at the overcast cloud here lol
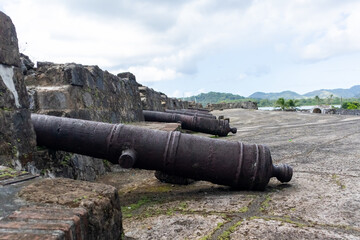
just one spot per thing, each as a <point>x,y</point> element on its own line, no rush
<point>188,47</point>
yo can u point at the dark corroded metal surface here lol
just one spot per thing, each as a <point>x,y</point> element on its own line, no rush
<point>198,109</point>
<point>218,127</point>
<point>191,113</point>
<point>243,166</point>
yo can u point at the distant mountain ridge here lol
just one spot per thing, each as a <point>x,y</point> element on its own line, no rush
<point>338,92</point>
<point>272,96</point>
<point>322,93</point>
<point>217,97</point>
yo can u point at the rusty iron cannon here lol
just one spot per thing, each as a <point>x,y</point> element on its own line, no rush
<point>191,113</point>
<point>198,109</point>
<point>243,166</point>
<point>218,127</point>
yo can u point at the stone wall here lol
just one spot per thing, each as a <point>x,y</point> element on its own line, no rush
<point>17,138</point>
<point>150,99</point>
<point>83,92</point>
<point>342,111</point>
<point>158,101</point>
<point>245,105</point>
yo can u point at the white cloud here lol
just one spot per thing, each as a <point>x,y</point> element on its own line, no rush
<point>180,94</point>
<point>242,76</point>
<point>341,37</point>
<point>146,74</point>
<point>163,40</point>
<point>58,35</point>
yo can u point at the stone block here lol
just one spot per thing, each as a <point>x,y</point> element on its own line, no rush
<point>17,138</point>
<point>9,49</point>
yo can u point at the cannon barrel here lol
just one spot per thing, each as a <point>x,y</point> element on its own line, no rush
<point>243,166</point>
<point>218,127</point>
<point>191,113</point>
<point>198,109</point>
<point>201,111</point>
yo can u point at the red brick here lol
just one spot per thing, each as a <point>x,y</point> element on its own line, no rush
<point>65,227</point>
<point>80,212</point>
<point>17,215</point>
<point>71,211</point>
<point>27,236</point>
<point>77,215</point>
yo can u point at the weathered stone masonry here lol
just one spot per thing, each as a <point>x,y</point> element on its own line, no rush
<point>220,106</point>
<point>17,138</point>
<point>158,101</point>
<point>83,92</point>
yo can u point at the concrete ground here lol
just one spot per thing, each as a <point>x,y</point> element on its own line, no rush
<point>322,201</point>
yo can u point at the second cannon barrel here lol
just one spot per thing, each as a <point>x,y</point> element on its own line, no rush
<point>218,127</point>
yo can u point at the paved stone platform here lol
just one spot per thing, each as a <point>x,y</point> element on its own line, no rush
<point>322,201</point>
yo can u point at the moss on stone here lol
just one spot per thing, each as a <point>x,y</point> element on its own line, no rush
<point>129,210</point>
<point>244,209</point>
<point>265,203</point>
<point>337,181</point>
<point>160,189</point>
<point>226,234</point>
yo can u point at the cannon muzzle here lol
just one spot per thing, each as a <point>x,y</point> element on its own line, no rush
<point>232,163</point>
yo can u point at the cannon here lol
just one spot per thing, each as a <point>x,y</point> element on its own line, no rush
<point>201,111</point>
<point>232,163</point>
<point>198,109</point>
<point>218,127</point>
<point>190,113</point>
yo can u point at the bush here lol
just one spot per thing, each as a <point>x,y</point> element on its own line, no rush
<point>351,105</point>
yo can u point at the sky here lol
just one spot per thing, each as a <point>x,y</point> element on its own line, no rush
<point>186,47</point>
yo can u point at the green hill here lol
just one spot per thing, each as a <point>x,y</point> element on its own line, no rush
<point>214,97</point>
<point>273,96</point>
<point>339,92</point>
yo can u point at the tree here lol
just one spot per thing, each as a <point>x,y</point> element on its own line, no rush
<point>317,99</point>
<point>292,103</point>
<point>281,103</point>
<point>330,99</point>
<point>351,105</point>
